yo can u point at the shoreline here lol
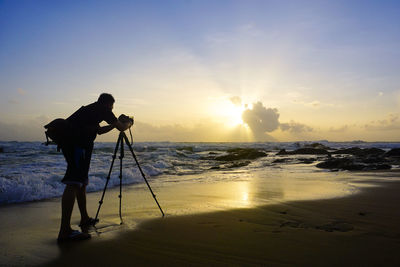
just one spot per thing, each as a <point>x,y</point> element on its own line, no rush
<point>247,222</point>
<point>360,229</point>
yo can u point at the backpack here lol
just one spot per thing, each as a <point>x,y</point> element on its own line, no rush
<point>58,131</point>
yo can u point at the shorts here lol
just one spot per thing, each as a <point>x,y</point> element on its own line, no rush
<point>78,163</point>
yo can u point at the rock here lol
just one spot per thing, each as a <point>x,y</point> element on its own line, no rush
<point>283,152</point>
<point>284,160</point>
<point>1,150</point>
<point>311,151</point>
<point>351,165</point>
<point>307,160</point>
<point>372,151</point>
<point>373,159</point>
<point>238,164</point>
<point>235,164</point>
<point>304,151</point>
<point>356,151</point>
<point>395,152</point>
<point>241,153</point>
<point>317,146</point>
<point>372,167</point>
<point>337,163</point>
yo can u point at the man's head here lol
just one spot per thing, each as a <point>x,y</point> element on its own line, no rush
<point>106,100</point>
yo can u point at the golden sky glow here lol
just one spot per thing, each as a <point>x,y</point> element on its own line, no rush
<point>300,71</point>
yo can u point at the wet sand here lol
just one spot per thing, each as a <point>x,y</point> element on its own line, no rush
<point>360,229</point>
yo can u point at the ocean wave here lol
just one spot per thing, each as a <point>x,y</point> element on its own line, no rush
<point>31,171</point>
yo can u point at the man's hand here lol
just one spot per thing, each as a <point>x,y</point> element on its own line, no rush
<point>123,123</point>
<point>122,126</point>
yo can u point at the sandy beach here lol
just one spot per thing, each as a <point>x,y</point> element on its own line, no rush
<point>361,228</point>
<point>267,130</point>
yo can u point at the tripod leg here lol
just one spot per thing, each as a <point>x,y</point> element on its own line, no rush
<point>140,169</point>
<point>109,175</point>
<point>120,178</point>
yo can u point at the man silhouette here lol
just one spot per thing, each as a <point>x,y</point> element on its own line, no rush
<point>84,125</point>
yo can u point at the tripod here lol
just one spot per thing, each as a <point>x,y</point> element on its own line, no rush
<point>120,144</point>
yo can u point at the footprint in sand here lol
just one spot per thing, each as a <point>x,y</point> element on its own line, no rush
<point>293,224</point>
<point>336,226</point>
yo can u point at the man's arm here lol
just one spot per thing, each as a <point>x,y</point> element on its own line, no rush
<point>105,129</point>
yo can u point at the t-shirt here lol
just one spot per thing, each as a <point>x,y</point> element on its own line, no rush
<point>85,123</point>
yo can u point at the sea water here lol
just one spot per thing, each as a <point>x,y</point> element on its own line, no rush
<point>31,171</point>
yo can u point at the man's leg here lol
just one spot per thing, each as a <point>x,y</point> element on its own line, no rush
<point>81,198</point>
<point>67,205</point>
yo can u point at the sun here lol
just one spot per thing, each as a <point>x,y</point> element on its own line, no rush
<point>229,113</point>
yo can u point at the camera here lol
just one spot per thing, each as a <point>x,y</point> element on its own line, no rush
<point>124,119</point>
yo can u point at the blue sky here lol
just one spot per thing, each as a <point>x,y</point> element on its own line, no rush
<point>331,66</point>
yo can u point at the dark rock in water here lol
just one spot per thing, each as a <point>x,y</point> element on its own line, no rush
<point>239,164</point>
<point>336,163</point>
<point>304,151</point>
<point>372,151</point>
<point>395,152</point>
<point>306,160</point>
<point>241,153</point>
<point>373,159</point>
<point>311,151</point>
<point>283,152</point>
<point>235,164</point>
<point>317,146</point>
<point>379,167</point>
<point>294,160</point>
<point>283,160</point>
<point>1,150</point>
<point>356,151</point>
<point>351,165</point>
<point>349,151</point>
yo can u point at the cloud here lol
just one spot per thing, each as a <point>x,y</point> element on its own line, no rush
<point>312,104</point>
<point>262,120</point>
<point>236,100</point>
<point>388,124</point>
<point>342,129</point>
<point>295,127</point>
